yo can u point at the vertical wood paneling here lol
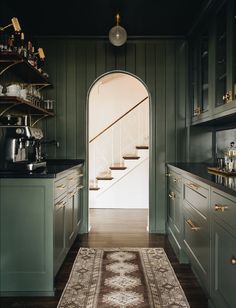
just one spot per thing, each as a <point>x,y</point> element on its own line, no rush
<point>100,58</point>
<point>181,115</point>
<point>71,100</point>
<point>131,58</point>
<point>140,60</point>
<point>150,54</point>
<point>160,133</point>
<point>170,102</point>
<point>75,66</point>
<point>61,86</point>
<point>120,53</point>
<point>81,96</point>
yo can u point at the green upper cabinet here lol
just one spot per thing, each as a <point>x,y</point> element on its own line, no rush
<point>224,40</point>
<point>199,59</point>
<point>212,65</point>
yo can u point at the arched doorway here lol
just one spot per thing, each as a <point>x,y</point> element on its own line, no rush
<point>118,107</point>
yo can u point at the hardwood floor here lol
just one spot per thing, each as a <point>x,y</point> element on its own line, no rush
<point>115,228</point>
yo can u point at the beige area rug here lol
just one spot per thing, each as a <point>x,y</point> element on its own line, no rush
<point>122,277</point>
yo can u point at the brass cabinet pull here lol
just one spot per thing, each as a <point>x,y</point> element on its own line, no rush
<point>227,97</point>
<point>61,186</point>
<point>172,195</point>
<point>192,226</point>
<point>220,207</point>
<point>197,111</point>
<point>233,261</point>
<point>193,186</point>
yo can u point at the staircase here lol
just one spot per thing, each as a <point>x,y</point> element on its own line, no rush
<point>119,149</point>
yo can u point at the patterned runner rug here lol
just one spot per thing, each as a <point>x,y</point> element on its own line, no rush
<point>124,278</point>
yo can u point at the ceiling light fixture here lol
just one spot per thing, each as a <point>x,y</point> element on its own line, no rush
<point>117,34</point>
<point>14,23</point>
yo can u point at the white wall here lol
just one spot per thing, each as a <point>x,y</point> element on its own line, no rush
<point>131,191</point>
<point>111,97</point>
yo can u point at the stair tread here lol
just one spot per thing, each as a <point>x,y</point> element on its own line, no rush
<point>131,157</point>
<point>142,147</point>
<point>94,188</point>
<point>117,167</point>
<point>104,178</point>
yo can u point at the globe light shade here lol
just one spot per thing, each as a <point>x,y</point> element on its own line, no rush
<point>117,34</point>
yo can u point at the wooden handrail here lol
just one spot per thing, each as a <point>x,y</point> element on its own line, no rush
<point>105,129</point>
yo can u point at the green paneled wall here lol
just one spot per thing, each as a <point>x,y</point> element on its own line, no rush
<point>74,64</point>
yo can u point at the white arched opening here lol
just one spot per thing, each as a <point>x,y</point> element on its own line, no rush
<point>118,142</point>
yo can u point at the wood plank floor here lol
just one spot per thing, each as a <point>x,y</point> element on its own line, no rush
<point>115,228</point>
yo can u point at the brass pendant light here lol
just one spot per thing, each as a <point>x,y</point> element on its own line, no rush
<point>117,34</point>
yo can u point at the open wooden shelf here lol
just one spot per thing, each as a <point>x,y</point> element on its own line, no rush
<point>14,68</point>
<point>23,105</point>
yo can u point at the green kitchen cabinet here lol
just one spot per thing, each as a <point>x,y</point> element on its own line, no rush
<point>39,220</point>
<point>224,99</point>
<point>212,65</point>
<point>196,228</point>
<point>223,207</point>
<point>174,216</point>
<point>199,72</point>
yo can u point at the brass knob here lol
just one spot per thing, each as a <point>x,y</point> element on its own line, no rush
<point>233,261</point>
<point>220,207</point>
<point>168,174</point>
<point>197,111</point>
<point>172,195</point>
<point>227,97</point>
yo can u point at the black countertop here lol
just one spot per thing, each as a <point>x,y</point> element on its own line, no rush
<point>52,169</point>
<point>200,172</point>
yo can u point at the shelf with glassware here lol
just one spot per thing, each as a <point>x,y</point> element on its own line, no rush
<point>20,87</point>
<point>213,73</point>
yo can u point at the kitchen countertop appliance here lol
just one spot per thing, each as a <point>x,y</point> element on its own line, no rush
<point>20,148</point>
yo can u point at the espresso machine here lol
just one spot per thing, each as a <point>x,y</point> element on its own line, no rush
<point>20,148</point>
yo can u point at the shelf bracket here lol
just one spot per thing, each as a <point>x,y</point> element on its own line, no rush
<point>8,108</point>
<point>7,67</point>
<point>42,117</point>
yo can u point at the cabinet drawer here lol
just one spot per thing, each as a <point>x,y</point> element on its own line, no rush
<point>72,179</point>
<point>224,207</point>
<point>196,238</point>
<point>197,196</point>
<point>60,187</point>
<point>223,267</point>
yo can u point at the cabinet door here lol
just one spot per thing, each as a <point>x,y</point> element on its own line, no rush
<point>69,219</point>
<point>223,267</point>
<point>199,65</point>
<point>224,59</point>
<point>59,234</point>
<point>77,209</point>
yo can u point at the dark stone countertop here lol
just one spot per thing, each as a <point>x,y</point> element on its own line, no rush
<point>53,168</point>
<point>200,172</point>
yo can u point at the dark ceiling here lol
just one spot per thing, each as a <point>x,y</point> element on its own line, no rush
<point>96,17</point>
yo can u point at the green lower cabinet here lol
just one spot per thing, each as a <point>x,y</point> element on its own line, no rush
<point>223,266</point>
<point>197,244</point>
<point>59,250</point>
<point>175,216</point>
<point>39,220</point>
<point>26,241</point>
